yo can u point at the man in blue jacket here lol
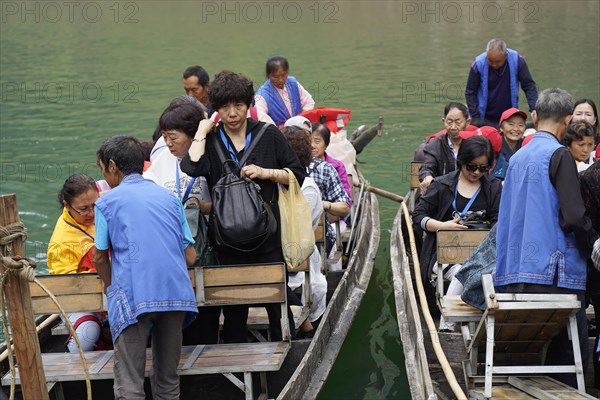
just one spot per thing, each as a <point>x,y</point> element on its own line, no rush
<point>544,236</point>
<point>147,284</point>
<point>493,84</point>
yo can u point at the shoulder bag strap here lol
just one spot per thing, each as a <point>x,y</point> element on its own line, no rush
<point>253,144</point>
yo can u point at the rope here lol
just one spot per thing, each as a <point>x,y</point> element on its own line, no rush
<point>10,233</point>
<point>435,340</point>
<point>21,268</point>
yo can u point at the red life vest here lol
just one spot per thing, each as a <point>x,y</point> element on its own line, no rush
<point>333,118</point>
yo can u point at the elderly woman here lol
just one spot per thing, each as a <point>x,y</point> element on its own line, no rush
<point>70,249</point>
<point>231,94</point>
<point>282,96</point>
<point>512,126</point>
<point>440,152</point>
<point>579,139</point>
<point>451,196</point>
<point>178,124</point>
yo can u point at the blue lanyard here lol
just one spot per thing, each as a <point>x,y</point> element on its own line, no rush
<point>231,151</point>
<point>189,186</point>
<point>469,204</point>
<point>79,229</point>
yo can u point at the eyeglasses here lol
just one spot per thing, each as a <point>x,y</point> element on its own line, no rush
<point>474,167</point>
<point>85,211</point>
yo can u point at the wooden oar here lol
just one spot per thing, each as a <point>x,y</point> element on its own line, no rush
<point>384,193</point>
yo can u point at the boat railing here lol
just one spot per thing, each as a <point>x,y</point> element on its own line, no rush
<point>439,351</point>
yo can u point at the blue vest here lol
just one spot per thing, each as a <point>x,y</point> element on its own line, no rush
<point>484,68</point>
<point>149,273</point>
<point>531,247</point>
<point>277,109</point>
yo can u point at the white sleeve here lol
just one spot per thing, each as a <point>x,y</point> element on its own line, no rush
<point>306,100</point>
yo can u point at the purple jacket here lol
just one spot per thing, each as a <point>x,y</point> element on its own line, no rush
<point>341,170</point>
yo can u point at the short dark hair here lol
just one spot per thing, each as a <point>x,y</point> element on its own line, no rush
<point>199,72</point>
<point>147,146</point>
<point>592,104</point>
<point>181,116</point>
<point>474,147</point>
<point>125,151</point>
<point>323,131</point>
<point>459,106</point>
<point>275,62</point>
<point>577,130</point>
<point>74,186</point>
<point>230,87</point>
<point>553,104</point>
<point>299,139</point>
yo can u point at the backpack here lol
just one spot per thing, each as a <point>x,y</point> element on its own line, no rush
<point>240,219</point>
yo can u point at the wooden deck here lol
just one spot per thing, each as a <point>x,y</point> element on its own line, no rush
<point>201,359</point>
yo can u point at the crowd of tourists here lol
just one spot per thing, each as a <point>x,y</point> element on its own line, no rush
<point>156,213</point>
<point>537,189</point>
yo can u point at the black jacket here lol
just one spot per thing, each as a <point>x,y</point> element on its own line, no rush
<point>439,158</point>
<point>273,151</point>
<point>437,202</point>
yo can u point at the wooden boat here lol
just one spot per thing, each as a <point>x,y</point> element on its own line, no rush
<point>308,363</point>
<point>436,362</point>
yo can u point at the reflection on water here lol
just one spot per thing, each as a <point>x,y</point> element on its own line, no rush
<point>68,81</point>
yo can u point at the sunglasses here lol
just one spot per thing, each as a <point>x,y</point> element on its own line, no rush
<point>474,167</point>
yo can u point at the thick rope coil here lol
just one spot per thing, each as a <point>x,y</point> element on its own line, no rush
<point>10,233</point>
<point>21,267</point>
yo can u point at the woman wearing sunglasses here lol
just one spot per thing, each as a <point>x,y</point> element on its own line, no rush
<point>70,251</point>
<point>450,197</point>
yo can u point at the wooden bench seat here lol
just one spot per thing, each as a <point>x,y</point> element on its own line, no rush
<point>415,168</point>
<point>454,247</point>
<point>214,286</point>
<point>456,310</point>
<point>195,360</point>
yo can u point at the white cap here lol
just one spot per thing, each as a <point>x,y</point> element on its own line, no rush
<point>300,122</point>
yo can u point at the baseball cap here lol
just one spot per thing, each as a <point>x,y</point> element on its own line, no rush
<point>510,112</point>
<point>300,122</point>
<point>488,132</point>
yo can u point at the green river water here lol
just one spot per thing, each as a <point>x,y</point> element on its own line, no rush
<point>73,73</point>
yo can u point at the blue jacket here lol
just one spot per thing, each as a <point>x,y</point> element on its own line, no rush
<point>483,67</point>
<point>277,109</point>
<point>531,247</point>
<point>149,272</point>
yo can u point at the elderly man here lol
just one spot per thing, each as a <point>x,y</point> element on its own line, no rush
<point>148,287</point>
<point>195,83</point>
<point>543,248</point>
<point>493,84</point>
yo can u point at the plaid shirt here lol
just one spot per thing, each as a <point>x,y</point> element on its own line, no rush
<point>330,185</point>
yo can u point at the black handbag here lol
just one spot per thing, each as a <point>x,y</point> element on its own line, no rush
<point>240,218</point>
